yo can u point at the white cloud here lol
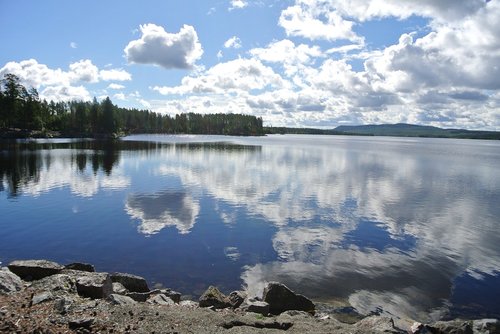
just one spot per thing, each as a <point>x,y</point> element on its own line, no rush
<point>315,21</point>
<point>220,55</point>
<point>73,45</point>
<point>238,4</point>
<point>84,70</point>
<point>115,86</point>
<point>158,47</point>
<point>60,85</point>
<point>115,74</point>
<point>239,75</point>
<point>233,42</point>
<point>119,96</point>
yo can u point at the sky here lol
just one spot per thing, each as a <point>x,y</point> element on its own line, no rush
<point>296,63</point>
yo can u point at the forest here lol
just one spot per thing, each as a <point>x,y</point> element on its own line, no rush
<point>22,108</point>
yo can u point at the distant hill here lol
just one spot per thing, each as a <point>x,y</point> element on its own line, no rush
<point>411,130</point>
<point>394,130</point>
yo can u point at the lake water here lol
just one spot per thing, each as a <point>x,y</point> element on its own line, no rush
<point>402,226</point>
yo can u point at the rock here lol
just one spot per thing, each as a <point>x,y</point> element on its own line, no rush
<point>63,304</point>
<point>132,283</point>
<point>120,300</point>
<point>119,288</point>
<point>236,298</point>
<point>280,299</point>
<point>80,266</point>
<point>174,295</point>
<point>160,299</point>
<point>188,303</point>
<point>419,328</point>
<point>140,297</point>
<point>41,297</point>
<point>486,326</point>
<point>9,282</point>
<point>377,324</point>
<point>34,269</point>
<point>58,282</point>
<point>80,323</point>
<point>213,297</point>
<point>452,327</point>
<point>255,306</point>
<point>94,285</point>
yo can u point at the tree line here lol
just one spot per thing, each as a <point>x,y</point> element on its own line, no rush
<point>22,108</point>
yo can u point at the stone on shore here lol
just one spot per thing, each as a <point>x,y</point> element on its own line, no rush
<point>119,288</point>
<point>56,283</point>
<point>34,269</point>
<point>378,324</point>
<point>280,299</point>
<point>236,298</point>
<point>255,306</point>
<point>120,299</point>
<point>80,266</point>
<point>213,297</point>
<point>486,326</point>
<point>160,299</point>
<point>94,285</point>
<point>132,283</point>
<point>9,282</point>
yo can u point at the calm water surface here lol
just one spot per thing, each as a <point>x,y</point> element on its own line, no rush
<point>403,226</point>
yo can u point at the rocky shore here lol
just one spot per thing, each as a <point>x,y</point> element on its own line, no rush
<point>39,296</point>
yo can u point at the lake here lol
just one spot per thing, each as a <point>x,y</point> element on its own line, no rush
<point>398,226</point>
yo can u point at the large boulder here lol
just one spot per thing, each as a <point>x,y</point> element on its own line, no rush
<point>160,299</point>
<point>143,296</point>
<point>378,324</point>
<point>120,299</point>
<point>94,285</point>
<point>132,283</point>
<point>213,297</point>
<point>80,266</point>
<point>236,298</point>
<point>58,282</point>
<point>255,306</point>
<point>34,269</point>
<point>486,326</point>
<point>280,299</point>
<point>9,282</point>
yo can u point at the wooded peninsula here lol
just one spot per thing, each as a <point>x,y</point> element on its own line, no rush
<point>22,108</point>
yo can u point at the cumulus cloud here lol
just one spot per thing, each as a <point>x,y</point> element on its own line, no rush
<point>168,50</point>
<point>59,85</point>
<point>238,4</point>
<point>233,42</point>
<point>316,21</point>
<point>240,75</point>
<point>115,86</point>
<point>115,75</point>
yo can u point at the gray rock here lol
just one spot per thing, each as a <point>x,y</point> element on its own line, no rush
<point>140,297</point>
<point>160,299</point>
<point>280,299</point>
<point>41,297</point>
<point>9,282</point>
<point>174,295</point>
<point>255,306</point>
<point>188,303</point>
<point>58,282</point>
<point>132,283</point>
<point>236,298</point>
<point>34,269</point>
<point>119,288</point>
<point>486,326</point>
<point>377,324</point>
<point>94,285</point>
<point>63,304</point>
<point>120,300</point>
<point>452,327</point>
<point>80,323</point>
<point>80,266</point>
<point>213,297</point>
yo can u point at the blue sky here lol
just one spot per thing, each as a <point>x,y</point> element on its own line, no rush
<point>314,63</point>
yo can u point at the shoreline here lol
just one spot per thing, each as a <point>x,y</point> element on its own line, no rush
<point>40,296</point>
